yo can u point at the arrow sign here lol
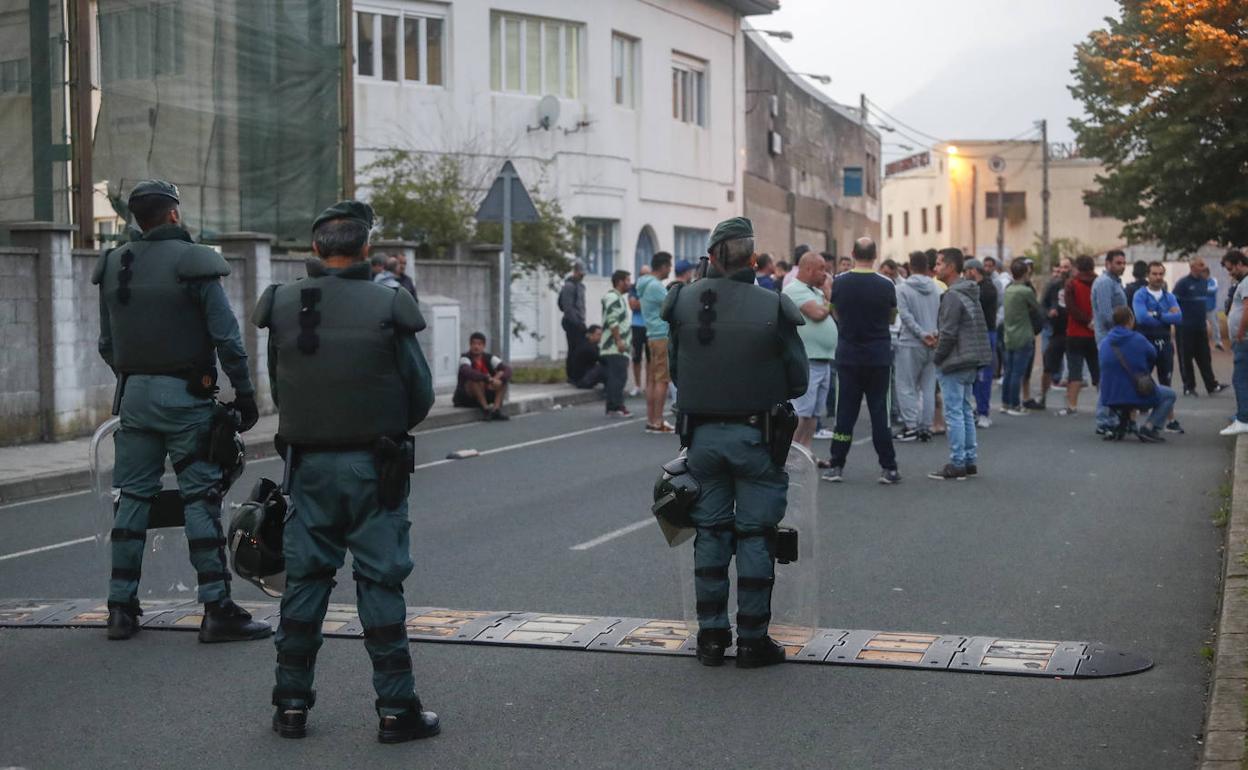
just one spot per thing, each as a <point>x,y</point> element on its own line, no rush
<point>522,209</point>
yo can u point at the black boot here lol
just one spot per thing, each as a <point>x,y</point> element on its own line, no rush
<point>291,721</point>
<point>712,642</point>
<point>410,725</point>
<point>225,621</point>
<point>123,619</point>
<point>756,653</point>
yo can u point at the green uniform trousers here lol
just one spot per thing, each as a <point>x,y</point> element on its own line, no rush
<point>158,418</point>
<point>334,507</point>
<point>743,499</point>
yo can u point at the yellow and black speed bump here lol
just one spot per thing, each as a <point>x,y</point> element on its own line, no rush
<point>940,652</point>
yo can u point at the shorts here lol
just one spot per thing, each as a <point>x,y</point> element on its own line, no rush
<point>639,345</point>
<point>1078,350</point>
<point>812,402</point>
<point>656,353</point>
<point>1055,355</point>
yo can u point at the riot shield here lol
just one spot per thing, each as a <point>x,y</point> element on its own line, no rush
<point>167,573</point>
<point>794,599</point>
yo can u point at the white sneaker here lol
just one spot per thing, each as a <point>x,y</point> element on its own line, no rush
<point>824,434</point>
<point>634,392</point>
<point>1234,429</point>
<point>1016,412</point>
<point>983,421</point>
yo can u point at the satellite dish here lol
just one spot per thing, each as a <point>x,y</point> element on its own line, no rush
<point>996,164</point>
<point>547,112</point>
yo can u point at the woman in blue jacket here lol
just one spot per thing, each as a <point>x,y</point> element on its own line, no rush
<point>1125,354</point>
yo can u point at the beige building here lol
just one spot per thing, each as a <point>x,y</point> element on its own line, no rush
<point>949,196</point>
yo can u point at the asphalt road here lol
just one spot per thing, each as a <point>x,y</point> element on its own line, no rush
<point>1063,537</point>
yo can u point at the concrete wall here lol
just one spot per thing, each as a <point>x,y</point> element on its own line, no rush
<point>19,355</point>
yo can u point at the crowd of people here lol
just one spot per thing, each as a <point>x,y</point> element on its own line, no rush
<point>923,343</point>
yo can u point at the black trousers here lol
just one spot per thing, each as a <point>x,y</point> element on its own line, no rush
<point>853,382</point>
<point>1194,347</point>
<point>617,374</point>
<point>575,333</point>
<point>1165,359</point>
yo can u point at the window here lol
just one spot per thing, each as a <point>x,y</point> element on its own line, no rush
<point>386,41</point>
<point>535,56</point>
<point>923,220</point>
<point>938,217</point>
<point>688,90</point>
<point>136,44</point>
<point>1015,205</point>
<point>853,182</point>
<point>889,226</point>
<point>15,76</point>
<point>905,223</point>
<point>690,243</point>
<point>624,70</point>
<point>598,245</point>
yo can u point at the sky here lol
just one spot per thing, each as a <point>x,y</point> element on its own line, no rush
<point>954,69</point>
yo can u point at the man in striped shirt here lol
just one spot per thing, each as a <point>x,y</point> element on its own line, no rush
<point>617,340</point>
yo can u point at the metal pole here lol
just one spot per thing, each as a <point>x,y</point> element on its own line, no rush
<point>974,198</point>
<point>346,106</point>
<point>1000,222</point>
<point>1044,192</point>
<point>505,279</point>
<point>80,122</point>
<point>41,109</point>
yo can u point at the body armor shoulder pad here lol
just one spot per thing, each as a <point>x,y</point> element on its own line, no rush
<point>200,262</point>
<point>264,307</point>
<point>406,313</point>
<point>669,302</point>
<point>101,264</point>
<point>790,313</point>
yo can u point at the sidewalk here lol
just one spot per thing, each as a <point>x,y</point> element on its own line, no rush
<point>37,470</point>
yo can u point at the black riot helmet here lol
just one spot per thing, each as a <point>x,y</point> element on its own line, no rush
<point>255,539</point>
<point>675,493</point>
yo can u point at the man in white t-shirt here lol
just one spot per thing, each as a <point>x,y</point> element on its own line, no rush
<point>1237,329</point>
<point>809,291</point>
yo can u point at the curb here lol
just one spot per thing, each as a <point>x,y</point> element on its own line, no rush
<point>261,447</point>
<point>1226,721</point>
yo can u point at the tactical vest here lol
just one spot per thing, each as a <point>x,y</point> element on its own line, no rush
<point>338,380</point>
<point>155,320</point>
<point>728,348</point>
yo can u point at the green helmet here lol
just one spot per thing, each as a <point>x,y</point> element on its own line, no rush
<point>675,493</point>
<point>255,539</point>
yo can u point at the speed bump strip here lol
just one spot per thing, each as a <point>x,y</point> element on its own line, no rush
<point>842,647</point>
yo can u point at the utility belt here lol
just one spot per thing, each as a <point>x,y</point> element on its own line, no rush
<point>777,426</point>
<point>201,382</point>
<point>394,457</point>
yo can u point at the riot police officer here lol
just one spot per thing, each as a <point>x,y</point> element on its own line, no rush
<point>164,322</point>
<point>735,356</point>
<point>350,381</point>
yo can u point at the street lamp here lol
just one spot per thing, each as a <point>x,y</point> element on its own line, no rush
<point>825,79</point>
<point>885,127</point>
<point>780,34</point>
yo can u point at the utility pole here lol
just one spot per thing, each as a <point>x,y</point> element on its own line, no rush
<point>974,213</point>
<point>1044,192</point>
<point>346,98</point>
<point>1000,222</point>
<point>41,111</point>
<point>80,114</point>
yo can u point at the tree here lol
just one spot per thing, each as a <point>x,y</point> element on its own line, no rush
<point>1165,89</point>
<point>545,243</point>
<point>1058,248</point>
<point>421,198</point>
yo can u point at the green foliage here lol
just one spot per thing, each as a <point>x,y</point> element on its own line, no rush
<point>421,198</point>
<point>546,243</point>
<point>1058,248</point>
<point>1164,88</point>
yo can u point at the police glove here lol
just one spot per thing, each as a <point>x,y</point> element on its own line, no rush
<point>245,405</point>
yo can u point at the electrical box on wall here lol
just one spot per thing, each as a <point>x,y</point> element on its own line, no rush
<point>775,144</point>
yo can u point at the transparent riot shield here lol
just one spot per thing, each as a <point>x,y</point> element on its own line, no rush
<point>794,599</point>
<point>167,573</point>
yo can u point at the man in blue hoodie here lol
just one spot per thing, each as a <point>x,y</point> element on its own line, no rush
<point>918,303</point>
<point>1156,313</point>
<point>1125,354</point>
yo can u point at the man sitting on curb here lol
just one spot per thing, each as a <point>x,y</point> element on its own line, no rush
<point>585,371</point>
<point>483,379</point>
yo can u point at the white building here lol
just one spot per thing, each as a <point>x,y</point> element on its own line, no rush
<point>648,148</point>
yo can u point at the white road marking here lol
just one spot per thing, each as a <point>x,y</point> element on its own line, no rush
<point>613,534</point>
<point>534,442</point>
<point>45,499</point>
<point>43,548</point>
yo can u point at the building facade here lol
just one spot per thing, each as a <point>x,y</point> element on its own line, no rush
<point>630,113</point>
<point>949,196</point>
<point>811,164</point>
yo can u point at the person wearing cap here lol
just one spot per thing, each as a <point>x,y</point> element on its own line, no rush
<point>682,272</point>
<point>734,355</point>
<point>572,304</point>
<point>349,381</point>
<point>165,322</point>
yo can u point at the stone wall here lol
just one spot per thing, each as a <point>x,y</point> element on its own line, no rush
<point>19,354</point>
